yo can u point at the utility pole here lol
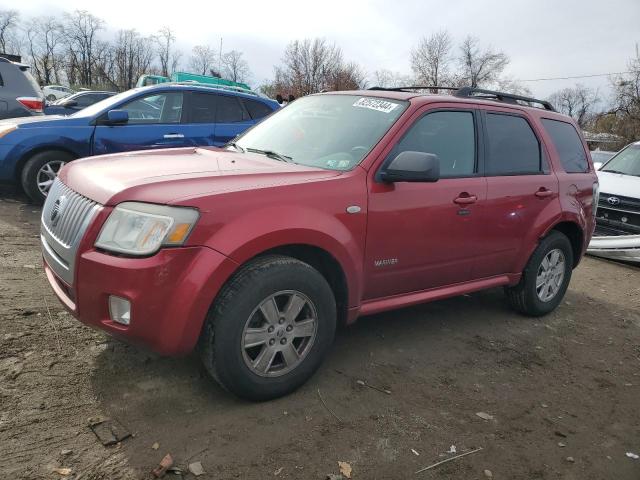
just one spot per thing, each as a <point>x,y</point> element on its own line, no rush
<point>220,59</point>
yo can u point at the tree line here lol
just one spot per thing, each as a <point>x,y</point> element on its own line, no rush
<point>75,48</point>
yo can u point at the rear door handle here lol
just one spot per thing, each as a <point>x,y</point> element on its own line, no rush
<point>465,199</point>
<point>544,193</point>
<point>173,135</point>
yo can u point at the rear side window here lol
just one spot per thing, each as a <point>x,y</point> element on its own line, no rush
<point>229,110</point>
<point>568,145</point>
<point>512,146</point>
<point>203,108</point>
<point>449,135</point>
<point>257,110</point>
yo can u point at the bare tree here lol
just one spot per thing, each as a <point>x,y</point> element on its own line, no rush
<point>45,40</point>
<point>168,56</point>
<point>131,56</point>
<point>388,79</point>
<point>8,30</point>
<point>234,67</point>
<point>346,77</point>
<point>624,118</point>
<point>203,59</point>
<point>81,29</point>
<point>578,102</point>
<point>480,67</point>
<point>431,59</point>
<point>307,66</point>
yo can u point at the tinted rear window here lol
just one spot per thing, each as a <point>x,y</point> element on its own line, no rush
<point>513,147</point>
<point>203,108</point>
<point>229,110</point>
<point>568,144</point>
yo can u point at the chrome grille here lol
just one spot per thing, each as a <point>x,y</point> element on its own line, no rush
<point>64,213</point>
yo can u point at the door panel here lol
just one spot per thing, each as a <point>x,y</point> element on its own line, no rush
<point>154,122</point>
<point>418,237</point>
<point>422,235</point>
<point>521,192</point>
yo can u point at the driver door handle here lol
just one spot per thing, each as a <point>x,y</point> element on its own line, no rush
<point>465,199</point>
<point>543,192</point>
<point>173,135</point>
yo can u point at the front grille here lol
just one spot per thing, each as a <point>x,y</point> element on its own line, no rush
<point>610,200</point>
<point>65,212</point>
<point>617,215</point>
<point>66,215</point>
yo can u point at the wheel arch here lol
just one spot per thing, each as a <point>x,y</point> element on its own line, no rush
<point>575,234</point>
<point>29,154</point>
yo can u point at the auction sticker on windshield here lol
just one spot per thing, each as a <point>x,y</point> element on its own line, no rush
<point>376,104</point>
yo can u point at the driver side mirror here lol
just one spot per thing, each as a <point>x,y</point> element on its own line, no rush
<point>412,167</point>
<point>117,117</point>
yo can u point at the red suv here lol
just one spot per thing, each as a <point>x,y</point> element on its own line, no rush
<point>340,205</point>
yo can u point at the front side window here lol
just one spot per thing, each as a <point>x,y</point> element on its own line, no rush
<point>163,107</point>
<point>513,148</point>
<point>448,134</point>
<point>627,162</point>
<point>568,144</point>
<point>329,131</point>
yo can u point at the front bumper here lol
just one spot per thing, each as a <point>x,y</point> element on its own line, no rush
<point>170,294</point>
<point>616,247</point>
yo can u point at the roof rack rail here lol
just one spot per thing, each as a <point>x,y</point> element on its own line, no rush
<point>470,92</point>
<point>214,86</point>
<point>413,87</point>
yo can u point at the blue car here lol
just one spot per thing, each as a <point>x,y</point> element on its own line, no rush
<point>33,149</point>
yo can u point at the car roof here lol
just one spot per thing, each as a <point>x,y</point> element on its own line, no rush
<point>251,95</point>
<point>420,98</point>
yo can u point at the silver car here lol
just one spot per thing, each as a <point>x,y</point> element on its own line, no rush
<point>20,95</point>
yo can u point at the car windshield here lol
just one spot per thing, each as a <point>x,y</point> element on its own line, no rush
<point>627,162</point>
<point>328,131</point>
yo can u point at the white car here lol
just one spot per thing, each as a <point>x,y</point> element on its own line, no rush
<point>56,92</point>
<point>617,234</point>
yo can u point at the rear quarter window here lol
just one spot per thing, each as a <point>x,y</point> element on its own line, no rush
<point>568,145</point>
<point>257,110</point>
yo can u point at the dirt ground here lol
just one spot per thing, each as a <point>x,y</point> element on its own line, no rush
<point>563,391</point>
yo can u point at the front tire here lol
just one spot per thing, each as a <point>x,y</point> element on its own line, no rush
<point>545,279</point>
<point>39,173</point>
<point>270,328</point>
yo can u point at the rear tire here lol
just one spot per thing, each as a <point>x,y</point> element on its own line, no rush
<point>43,167</point>
<point>542,288</point>
<point>272,288</point>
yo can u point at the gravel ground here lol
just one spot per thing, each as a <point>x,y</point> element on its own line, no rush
<point>562,392</point>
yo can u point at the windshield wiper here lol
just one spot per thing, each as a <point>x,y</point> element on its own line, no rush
<point>271,154</point>
<point>236,146</point>
<point>615,171</point>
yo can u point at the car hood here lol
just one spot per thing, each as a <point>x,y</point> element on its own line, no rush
<point>619,184</point>
<point>39,121</point>
<point>179,174</point>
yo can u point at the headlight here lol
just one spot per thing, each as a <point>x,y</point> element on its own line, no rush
<point>142,228</point>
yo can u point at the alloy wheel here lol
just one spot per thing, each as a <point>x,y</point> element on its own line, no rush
<point>550,275</point>
<point>279,333</point>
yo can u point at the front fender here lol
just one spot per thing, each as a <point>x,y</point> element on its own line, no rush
<point>267,228</point>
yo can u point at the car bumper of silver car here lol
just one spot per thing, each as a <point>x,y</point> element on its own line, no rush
<point>619,247</point>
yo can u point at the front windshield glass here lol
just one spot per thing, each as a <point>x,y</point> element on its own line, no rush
<point>97,107</point>
<point>626,162</point>
<point>328,131</point>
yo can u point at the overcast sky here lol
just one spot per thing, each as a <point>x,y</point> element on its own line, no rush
<point>543,38</point>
